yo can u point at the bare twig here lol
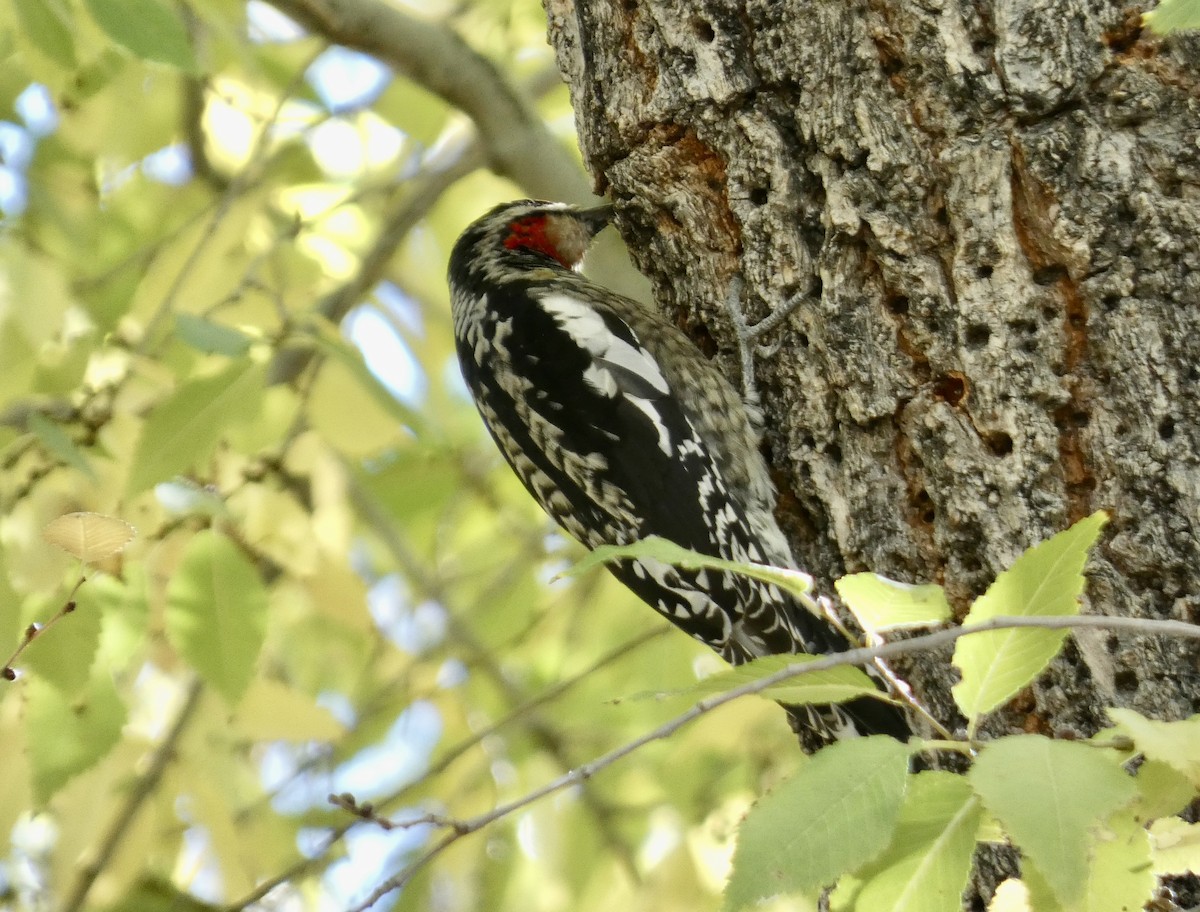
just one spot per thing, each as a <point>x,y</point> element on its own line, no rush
<point>850,657</point>
<point>368,812</point>
<point>317,858</point>
<point>33,631</point>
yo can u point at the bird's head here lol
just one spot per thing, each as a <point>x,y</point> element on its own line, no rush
<point>531,231</point>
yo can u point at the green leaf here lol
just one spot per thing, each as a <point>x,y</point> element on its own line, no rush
<point>67,734</point>
<point>1173,743</point>
<point>147,28</point>
<point>206,336</point>
<point>927,865</point>
<point>57,442</point>
<point>1045,581</point>
<point>1173,16</point>
<point>1049,796</point>
<point>64,653</point>
<point>834,685</point>
<point>216,615</point>
<point>660,549</point>
<point>1121,875</point>
<point>183,430</point>
<point>1162,790</point>
<point>48,23</point>
<point>880,603</point>
<point>833,817</point>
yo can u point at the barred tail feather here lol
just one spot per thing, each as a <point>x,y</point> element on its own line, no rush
<point>818,725</point>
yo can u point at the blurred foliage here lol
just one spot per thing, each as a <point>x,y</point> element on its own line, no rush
<point>335,585</point>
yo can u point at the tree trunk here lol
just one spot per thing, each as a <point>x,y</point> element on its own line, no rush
<point>990,213</point>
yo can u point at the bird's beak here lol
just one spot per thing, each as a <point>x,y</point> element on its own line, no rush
<point>596,219</point>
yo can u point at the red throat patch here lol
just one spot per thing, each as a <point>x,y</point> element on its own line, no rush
<point>530,234</point>
<point>557,237</point>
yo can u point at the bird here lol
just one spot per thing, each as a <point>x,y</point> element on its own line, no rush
<point>621,429</point>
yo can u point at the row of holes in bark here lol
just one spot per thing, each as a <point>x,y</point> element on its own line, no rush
<point>977,335</point>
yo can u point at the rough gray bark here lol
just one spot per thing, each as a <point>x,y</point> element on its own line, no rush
<point>991,211</point>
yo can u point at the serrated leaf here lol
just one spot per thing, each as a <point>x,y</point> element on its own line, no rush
<point>67,734</point>
<point>834,685</point>
<point>1045,581</point>
<point>656,548</point>
<point>880,603</point>
<point>147,28</point>
<point>206,336</point>
<point>1175,847</point>
<point>1173,16</point>
<point>56,440</point>
<point>183,430</point>
<point>833,817</point>
<point>1173,743</point>
<point>91,537</point>
<point>216,615</point>
<point>1049,796</point>
<point>934,843</point>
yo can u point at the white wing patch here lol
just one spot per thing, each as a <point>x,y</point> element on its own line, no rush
<point>587,328</point>
<point>618,366</point>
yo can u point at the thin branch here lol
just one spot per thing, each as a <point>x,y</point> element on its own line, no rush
<point>317,858</point>
<point>433,587</point>
<point>517,141</point>
<point>862,656</point>
<point>143,787</point>
<point>369,813</point>
<point>33,631</point>
<point>444,167</point>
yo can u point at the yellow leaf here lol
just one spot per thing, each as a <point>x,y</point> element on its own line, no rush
<point>90,537</point>
<point>272,711</point>
<point>1175,846</point>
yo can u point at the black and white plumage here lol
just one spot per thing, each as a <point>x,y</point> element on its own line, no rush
<point>621,429</point>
